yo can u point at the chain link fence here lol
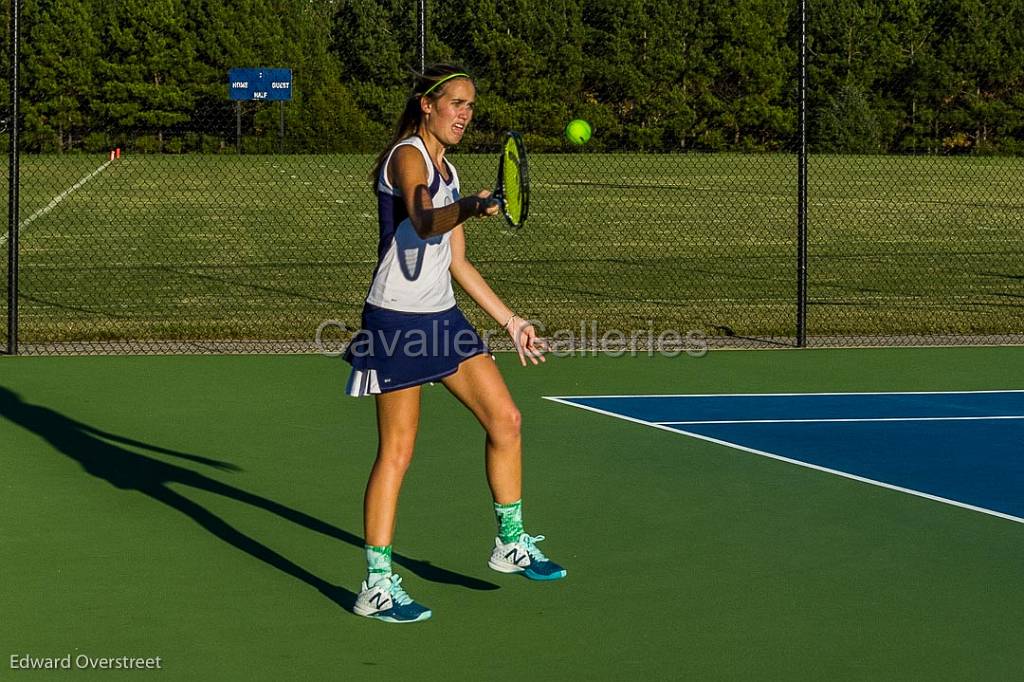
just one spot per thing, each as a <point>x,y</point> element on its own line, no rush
<point>917,177</point>
<point>158,215</point>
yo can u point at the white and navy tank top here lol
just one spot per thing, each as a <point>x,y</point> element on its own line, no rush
<point>412,274</point>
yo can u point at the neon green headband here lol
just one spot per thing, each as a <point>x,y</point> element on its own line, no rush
<point>445,80</point>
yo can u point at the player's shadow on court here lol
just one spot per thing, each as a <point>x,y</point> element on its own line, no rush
<point>102,455</point>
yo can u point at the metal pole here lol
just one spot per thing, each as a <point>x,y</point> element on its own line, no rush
<point>801,210</point>
<point>280,106</point>
<point>238,126</point>
<point>12,191</point>
<point>423,34</point>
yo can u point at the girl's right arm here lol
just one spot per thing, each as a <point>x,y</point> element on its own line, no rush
<point>409,174</point>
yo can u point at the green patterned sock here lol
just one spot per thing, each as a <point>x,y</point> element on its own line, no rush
<point>510,520</point>
<point>378,563</point>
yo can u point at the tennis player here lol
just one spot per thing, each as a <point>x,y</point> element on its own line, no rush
<point>413,333</point>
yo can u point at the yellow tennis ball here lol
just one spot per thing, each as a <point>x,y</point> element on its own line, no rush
<point>578,131</point>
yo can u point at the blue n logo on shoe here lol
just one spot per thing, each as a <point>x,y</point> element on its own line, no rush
<point>381,600</point>
<point>516,558</point>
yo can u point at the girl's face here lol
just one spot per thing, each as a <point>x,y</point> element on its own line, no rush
<point>448,116</point>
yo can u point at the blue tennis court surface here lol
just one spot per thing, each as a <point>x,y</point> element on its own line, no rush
<point>961,448</point>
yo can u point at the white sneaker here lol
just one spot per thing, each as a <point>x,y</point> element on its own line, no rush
<point>387,601</point>
<point>522,556</point>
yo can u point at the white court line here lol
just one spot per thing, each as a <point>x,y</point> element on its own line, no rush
<point>785,395</point>
<point>56,200</point>
<point>565,400</point>
<point>826,421</point>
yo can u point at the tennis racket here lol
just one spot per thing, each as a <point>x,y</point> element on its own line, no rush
<point>512,189</point>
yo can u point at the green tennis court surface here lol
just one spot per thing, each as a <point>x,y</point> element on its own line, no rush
<point>207,510</point>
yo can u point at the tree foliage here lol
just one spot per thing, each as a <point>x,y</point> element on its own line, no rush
<point>921,76</point>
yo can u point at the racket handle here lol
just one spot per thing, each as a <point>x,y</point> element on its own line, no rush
<point>480,206</point>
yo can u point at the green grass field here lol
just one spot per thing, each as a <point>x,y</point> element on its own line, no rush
<point>212,247</point>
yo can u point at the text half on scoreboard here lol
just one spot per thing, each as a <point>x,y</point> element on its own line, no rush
<point>259,84</point>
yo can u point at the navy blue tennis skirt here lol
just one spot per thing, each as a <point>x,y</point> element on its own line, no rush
<point>396,350</point>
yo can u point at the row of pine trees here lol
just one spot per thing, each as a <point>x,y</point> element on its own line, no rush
<point>917,76</point>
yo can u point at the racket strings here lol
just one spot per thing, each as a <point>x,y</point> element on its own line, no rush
<point>512,187</point>
<point>512,193</point>
<point>511,181</point>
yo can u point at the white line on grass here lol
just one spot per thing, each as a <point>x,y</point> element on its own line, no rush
<point>844,420</point>
<point>56,200</point>
<point>565,400</point>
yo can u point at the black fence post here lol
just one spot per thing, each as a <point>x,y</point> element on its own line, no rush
<point>422,30</point>
<point>801,210</point>
<point>12,191</point>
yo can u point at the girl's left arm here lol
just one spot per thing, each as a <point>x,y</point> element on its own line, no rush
<point>524,336</point>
